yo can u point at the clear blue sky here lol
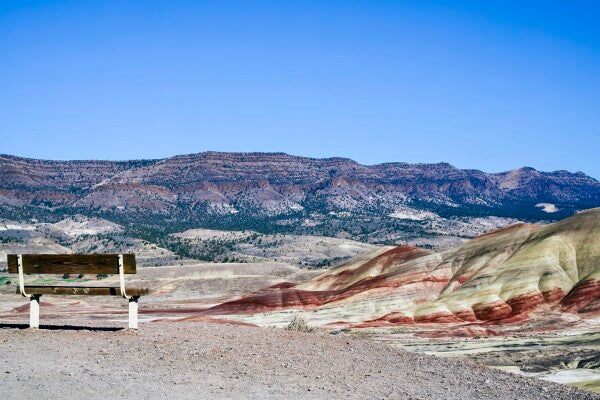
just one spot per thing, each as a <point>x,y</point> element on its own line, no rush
<point>479,84</point>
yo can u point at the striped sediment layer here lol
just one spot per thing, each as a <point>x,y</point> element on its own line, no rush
<point>509,276</point>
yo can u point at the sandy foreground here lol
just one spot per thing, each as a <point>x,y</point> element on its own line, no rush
<point>83,352</point>
<point>198,360</point>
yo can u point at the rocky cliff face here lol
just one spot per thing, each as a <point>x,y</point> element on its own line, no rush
<point>279,191</point>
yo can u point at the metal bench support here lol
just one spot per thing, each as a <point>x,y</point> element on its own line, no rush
<point>34,311</point>
<point>34,299</point>
<point>133,312</point>
<point>133,300</point>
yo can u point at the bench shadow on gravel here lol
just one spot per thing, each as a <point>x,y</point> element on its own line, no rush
<point>63,327</point>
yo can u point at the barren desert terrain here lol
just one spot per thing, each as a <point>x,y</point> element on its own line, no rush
<point>203,360</point>
<point>82,349</point>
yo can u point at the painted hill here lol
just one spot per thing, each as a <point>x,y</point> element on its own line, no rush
<point>514,275</point>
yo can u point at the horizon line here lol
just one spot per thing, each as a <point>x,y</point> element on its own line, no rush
<point>272,153</point>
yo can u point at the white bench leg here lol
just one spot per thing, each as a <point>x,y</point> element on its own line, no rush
<point>34,311</point>
<point>133,313</point>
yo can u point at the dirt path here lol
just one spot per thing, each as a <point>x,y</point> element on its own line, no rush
<point>214,361</point>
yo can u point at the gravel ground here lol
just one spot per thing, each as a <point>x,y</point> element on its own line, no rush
<point>219,361</point>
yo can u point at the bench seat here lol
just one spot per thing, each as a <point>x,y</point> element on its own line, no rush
<point>67,264</point>
<point>83,290</point>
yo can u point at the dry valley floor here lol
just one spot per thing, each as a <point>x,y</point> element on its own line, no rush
<point>220,361</point>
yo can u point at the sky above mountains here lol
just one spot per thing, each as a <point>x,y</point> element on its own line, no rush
<point>479,85</point>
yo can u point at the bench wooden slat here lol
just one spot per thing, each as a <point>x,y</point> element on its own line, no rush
<point>72,263</point>
<point>83,290</point>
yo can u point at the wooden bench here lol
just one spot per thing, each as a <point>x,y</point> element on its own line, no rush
<point>109,264</point>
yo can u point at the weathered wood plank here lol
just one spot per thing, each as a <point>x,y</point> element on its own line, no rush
<point>72,263</point>
<point>83,290</point>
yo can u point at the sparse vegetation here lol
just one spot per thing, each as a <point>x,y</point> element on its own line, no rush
<point>299,324</point>
<point>10,240</point>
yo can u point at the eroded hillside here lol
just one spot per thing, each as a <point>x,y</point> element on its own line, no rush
<point>434,205</point>
<point>510,277</point>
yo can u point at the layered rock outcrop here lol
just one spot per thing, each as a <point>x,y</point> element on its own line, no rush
<point>508,276</point>
<point>269,184</point>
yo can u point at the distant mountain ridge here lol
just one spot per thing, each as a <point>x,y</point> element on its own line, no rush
<point>281,191</point>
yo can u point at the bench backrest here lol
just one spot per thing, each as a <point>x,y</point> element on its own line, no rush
<point>71,263</point>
